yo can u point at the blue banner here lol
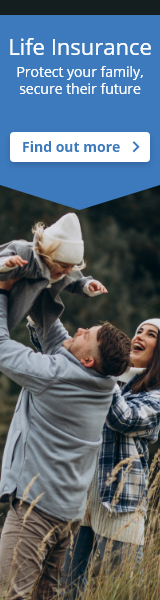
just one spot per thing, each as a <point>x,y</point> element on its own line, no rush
<point>72,87</point>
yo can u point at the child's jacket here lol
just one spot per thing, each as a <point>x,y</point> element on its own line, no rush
<point>35,277</point>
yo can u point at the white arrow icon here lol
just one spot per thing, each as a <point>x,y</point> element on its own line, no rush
<point>136,148</point>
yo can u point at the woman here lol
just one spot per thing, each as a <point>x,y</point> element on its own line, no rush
<point>118,494</point>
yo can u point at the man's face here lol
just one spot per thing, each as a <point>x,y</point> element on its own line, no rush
<point>84,345</point>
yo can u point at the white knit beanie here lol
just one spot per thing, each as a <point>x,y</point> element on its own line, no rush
<point>155,322</point>
<point>67,232</point>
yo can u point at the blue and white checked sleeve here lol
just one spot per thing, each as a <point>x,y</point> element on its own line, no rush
<point>135,414</point>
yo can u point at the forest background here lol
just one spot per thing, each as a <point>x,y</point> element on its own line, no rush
<point>122,250</point>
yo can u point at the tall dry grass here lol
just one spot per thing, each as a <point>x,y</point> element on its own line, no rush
<point>124,582</point>
<point>128,581</point>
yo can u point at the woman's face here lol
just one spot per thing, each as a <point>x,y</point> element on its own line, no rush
<point>143,345</point>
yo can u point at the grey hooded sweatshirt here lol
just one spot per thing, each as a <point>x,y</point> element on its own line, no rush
<point>56,429</point>
<point>35,277</point>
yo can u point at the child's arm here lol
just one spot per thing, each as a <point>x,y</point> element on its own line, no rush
<point>85,285</point>
<point>10,262</point>
<point>94,288</point>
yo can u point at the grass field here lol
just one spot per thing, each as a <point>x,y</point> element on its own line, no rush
<point>125,582</point>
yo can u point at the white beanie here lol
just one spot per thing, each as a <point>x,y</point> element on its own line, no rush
<point>67,232</point>
<point>155,322</point>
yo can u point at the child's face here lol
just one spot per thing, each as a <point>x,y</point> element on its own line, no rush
<point>59,269</point>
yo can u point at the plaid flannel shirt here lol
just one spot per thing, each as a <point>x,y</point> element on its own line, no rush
<point>133,421</point>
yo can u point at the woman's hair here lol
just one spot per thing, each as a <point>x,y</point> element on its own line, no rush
<point>46,249</point>
<point>149,379</point>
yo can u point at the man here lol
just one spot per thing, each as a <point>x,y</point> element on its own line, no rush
<point>51,449</point>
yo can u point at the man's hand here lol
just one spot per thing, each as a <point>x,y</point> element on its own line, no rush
<point>7,285</point>
<point>96,286</point>
<point>14,261</point>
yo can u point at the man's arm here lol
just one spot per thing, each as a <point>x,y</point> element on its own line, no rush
<point>54,338</point>
<point>27,368</point>
<point>137,416</point>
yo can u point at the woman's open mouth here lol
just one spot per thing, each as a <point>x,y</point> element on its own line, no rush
<point>137,347</point>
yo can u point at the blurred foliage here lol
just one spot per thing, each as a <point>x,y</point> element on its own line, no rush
<point>122,250</point>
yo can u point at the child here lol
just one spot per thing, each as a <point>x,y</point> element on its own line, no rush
<point>44,267</point>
